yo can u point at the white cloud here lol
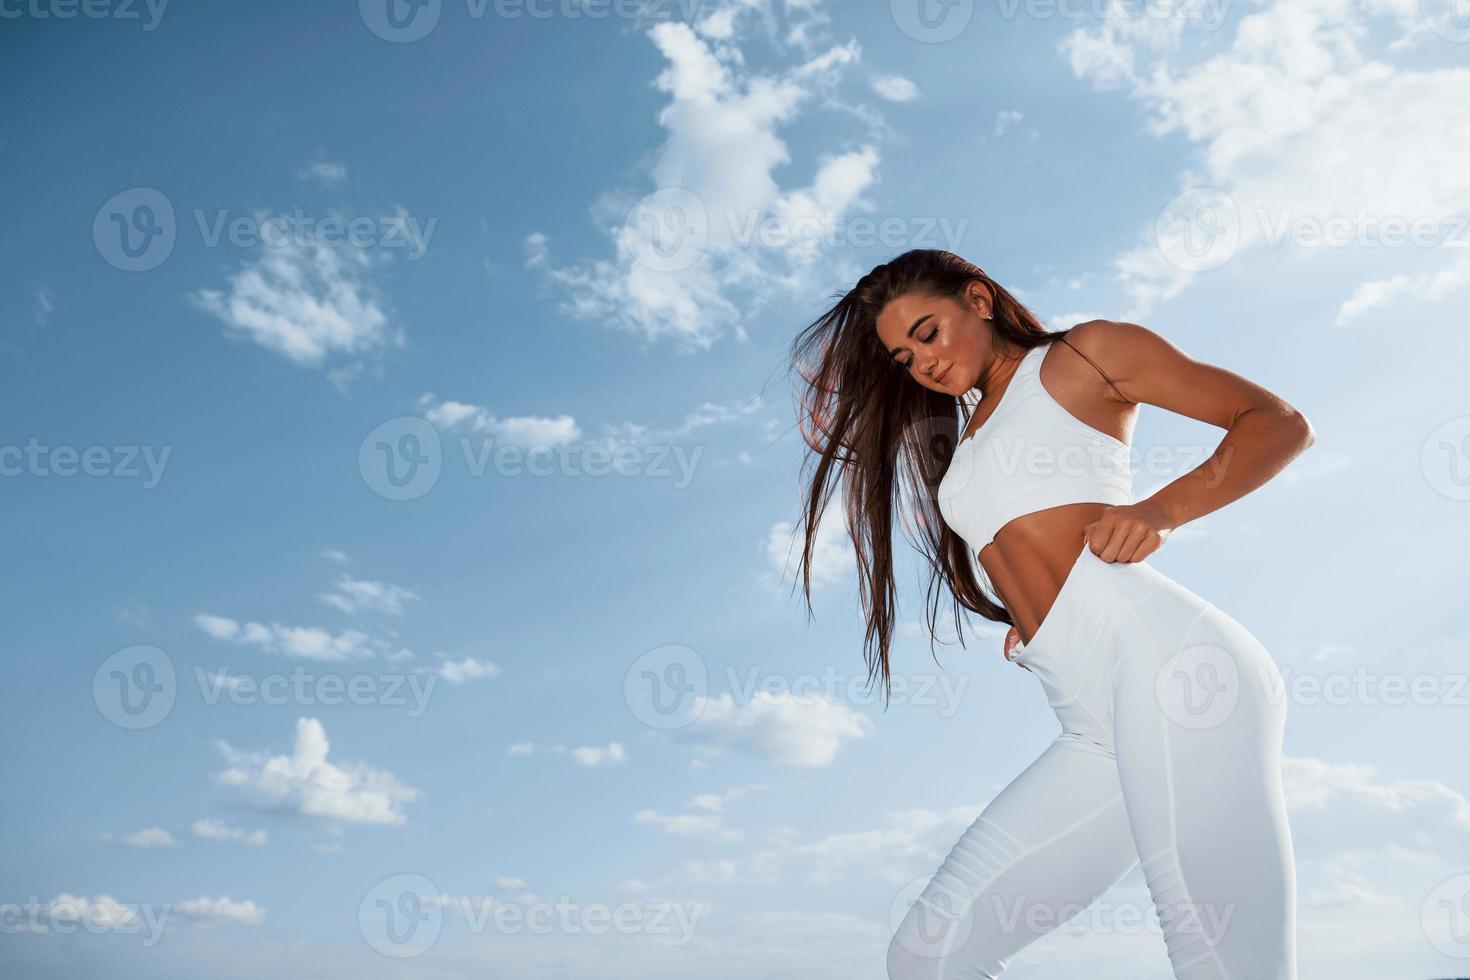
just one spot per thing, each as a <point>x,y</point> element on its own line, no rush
<point>776,726</point>
<point>524,430</point>
<point>220,911</point>
<point>896,88</point>
<point>332,554</point>
<point>66,912</point>
<point>833,559</point>
<point>911,839</point>
<point>710,827</point>
<point>305,782</point>
<point>1318,466</point>
<point>611,754</point>
<point>313,304</point>
<point>633,885</point>
<point>457,672</point>
<point>632,435</point>
<point>214,830</point>
<point>149,837</point>
<point>1337,807</point>
<point>707,825</point>
<point>715,802</point>
<point>1303,116</point>
<point>909,842</point>
<point>1346,894</point>
<point>1006,118</point>
<point>1064,321</point>
<point>357,595</point>
<point>311,642</point>
<point>1404,288</point>
<point>713,184</point>
<point>323,171</point>
<point>533,431</point>
<point>45,304</point>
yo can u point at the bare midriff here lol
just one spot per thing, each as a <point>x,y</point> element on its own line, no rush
<point>1028,560</point>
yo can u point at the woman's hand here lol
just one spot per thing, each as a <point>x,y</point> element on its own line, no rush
<point>1013,638</point>
<point>1128,533</point>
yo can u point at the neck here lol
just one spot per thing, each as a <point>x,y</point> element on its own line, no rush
<point>1002,364</point>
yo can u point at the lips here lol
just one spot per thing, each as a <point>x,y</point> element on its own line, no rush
<point>939,378</point>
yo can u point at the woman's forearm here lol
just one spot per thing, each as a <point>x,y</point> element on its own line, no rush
<point>1257,446</point>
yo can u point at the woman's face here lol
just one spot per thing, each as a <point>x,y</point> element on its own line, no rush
<point>942,344</point>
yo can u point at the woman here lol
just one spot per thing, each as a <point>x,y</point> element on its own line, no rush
<point>1171,711</point>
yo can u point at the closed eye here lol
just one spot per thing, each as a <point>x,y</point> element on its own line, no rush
<point>923,340</point>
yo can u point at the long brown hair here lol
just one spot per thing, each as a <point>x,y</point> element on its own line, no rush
<point>864,420</point>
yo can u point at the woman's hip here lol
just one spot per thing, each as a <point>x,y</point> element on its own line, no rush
<point>1127,623</point>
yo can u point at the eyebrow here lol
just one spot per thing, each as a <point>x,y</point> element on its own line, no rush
<point>912,327</point>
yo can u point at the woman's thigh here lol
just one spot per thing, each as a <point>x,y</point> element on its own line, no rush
<point>1198,717</point>
<point>1042,851</point>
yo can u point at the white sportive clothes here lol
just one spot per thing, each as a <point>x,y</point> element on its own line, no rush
<point>1029,454</point>
<point>1169,754</point>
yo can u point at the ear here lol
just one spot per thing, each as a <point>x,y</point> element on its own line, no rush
<point>981,298</point>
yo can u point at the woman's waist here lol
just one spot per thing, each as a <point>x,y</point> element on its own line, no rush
<point>1036,561</point>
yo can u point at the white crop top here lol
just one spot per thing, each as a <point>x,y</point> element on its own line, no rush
<point>1029,455</point>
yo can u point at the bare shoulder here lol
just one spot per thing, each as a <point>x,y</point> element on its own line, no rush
<point>1147,367</point>
<point>1118,340</point>
<point>1127,351</point>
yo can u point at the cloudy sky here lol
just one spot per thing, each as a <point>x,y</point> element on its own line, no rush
<point>399,472</point>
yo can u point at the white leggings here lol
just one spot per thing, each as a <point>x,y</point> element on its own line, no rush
<point>1170,754</point>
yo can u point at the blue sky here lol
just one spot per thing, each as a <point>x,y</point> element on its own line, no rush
<point>339,564</point>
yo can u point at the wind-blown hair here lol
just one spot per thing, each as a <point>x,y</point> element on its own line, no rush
<point>867,421</point>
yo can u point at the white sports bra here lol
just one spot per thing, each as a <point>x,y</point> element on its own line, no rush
<point>1029,455</point>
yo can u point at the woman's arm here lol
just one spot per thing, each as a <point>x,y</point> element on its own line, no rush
<point>1263,433</point>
